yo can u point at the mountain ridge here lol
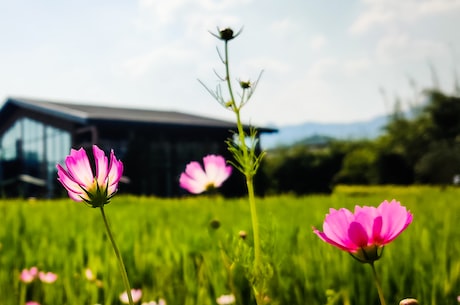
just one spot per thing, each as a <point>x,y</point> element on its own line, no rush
<point>290,134</point>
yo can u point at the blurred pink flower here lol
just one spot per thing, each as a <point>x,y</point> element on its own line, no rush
<point>47,277</point>
<point>365,232</point>
<point>196,180</point>
<point>136,294</point>
<point>32,303</point>
<point>226,299</point>
<point>89,275</point>
<point>28,275</point>
<point>82,184</point>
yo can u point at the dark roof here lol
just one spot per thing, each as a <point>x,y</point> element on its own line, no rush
<point>83,114</point>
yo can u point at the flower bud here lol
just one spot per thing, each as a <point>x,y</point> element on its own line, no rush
<point>245,85</point>
<point>226,34</point>
<point>242,234</point>
<point>214,224</point>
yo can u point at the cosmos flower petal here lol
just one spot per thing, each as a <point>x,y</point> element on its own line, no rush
<point>376,237</point>
<point>191,185</point>
<point>336,225</point>
<point>136,295</point>
<point>365,217</point>
<point>79,168</point>
<point>74,190</point>
<point>47,277</point>
<point>80,182</point>
<point>357,234</point>
<point>196,172</point>
<point>398,219</point>
<point>196,180</point>
<point>28,275</point>
<point>114,174</point>
<point>216,169</point>
<point>101,165</point>
<point>366,230</point>
<point>325,238</point>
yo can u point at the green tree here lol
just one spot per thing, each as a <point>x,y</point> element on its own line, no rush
<point>422,146</point>
<point>302,169</point>
<point>444,113</point>
<point>359,166</point>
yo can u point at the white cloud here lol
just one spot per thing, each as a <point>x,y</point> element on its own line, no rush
<point>390,12</point>
<point>318,42</point>
<point>220,5</point>
<point>438,6</point>
<point>272,65</point>
<point>162,13</point>
<point>401,47</point>
<point>369,19</point>
<point>138,66</point>
<point>353,67</point>
<point>323,67</point>
<point>283,27</point>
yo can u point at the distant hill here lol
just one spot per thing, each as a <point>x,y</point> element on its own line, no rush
<point>290,134</point>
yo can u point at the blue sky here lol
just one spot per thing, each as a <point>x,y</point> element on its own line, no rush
<point>323,61</point>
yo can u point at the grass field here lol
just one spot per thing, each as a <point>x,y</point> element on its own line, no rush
<point>171,251</point>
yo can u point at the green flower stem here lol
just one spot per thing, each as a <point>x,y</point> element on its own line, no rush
<point>378,285</point>
<point>259,293</point>
<point>249,171</point>
<point>255,221</point>
<point>247,166</point>
<point>22,294</point>
<point>124,275</point>
<point>227,78</point>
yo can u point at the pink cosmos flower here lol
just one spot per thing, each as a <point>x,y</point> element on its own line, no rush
<point>364,232</point>
<point>196,180</point>
<point>47,277</point>
<point>82,184</point>
<point>32,303</point>
<point>28,275</point>
<point>136,294</point>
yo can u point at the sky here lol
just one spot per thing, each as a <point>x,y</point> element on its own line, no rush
<point>325,61</point>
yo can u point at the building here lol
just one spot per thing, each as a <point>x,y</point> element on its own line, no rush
<point>155,146</point>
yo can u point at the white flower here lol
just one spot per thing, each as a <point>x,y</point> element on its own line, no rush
<point>160,302</point>
<point>226,299</point>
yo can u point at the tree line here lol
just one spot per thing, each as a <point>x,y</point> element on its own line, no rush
<point>419,146</point>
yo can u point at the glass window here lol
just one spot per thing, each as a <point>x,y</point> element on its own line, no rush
<point>30,147</point>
